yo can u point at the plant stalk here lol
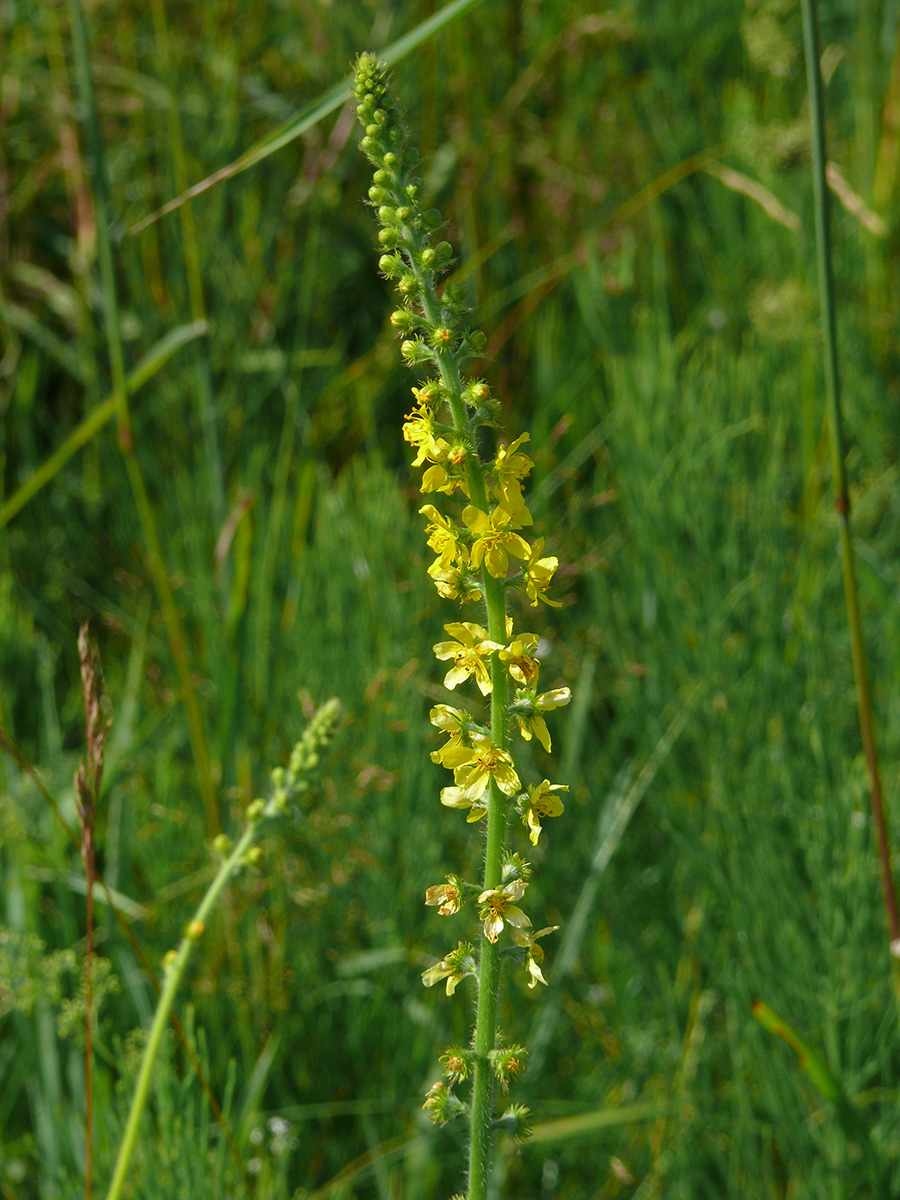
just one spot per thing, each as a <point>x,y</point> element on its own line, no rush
<point>841,494</point>
<point>481,1113</point>
<point>175,965</point>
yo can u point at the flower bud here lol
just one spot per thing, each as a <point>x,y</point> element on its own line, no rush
<point>386,214</point>
<point>477,392</point>
<point>414,351</point>
<point>390,264</point>
<point>389,238</point>
<point>403,319</point>
<point>221,844</point>
<point>430,392</point>
<point>455,294</point>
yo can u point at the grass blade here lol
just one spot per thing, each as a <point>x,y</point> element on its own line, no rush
<point>311,113</point>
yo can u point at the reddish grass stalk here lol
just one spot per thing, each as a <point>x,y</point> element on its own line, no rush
<point>87,793</point>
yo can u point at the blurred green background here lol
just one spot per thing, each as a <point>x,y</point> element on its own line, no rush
<point>627,187</point>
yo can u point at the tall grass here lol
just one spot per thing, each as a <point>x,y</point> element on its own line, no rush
<point>657,335</point>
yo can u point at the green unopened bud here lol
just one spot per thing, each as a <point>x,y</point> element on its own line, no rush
<point>389,238</point>
<point>455,294</point>
<point>430,392</point>
<point>369,146</point>
<point>253,856</point>
<point>377,194</point>
<point>428,257</point>
<point>386,214</point>
<point>390,264</point>
<point>404,320</point>
<point>477,339</point>
<point>390,159</point>
<point>255,810</point>
<point>477,392</point>
<point>222,844</point>
<point>408,285</point>
<point>414,350</point>
<point>443,252</point>
<point>381,176</point>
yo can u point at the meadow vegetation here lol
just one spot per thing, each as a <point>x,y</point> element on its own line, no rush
<point>627,192</point>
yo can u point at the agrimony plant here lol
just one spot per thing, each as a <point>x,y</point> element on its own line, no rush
<point>481,554</point>
<point>286,784</point>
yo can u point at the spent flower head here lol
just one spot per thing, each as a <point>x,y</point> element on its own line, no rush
<point>453,968</point>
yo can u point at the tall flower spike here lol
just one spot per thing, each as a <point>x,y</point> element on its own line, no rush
<point>479,557</point>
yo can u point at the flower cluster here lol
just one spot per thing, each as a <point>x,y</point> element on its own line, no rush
<point>477,527</point>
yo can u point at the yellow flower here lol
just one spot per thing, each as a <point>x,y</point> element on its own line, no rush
<point>497,908</point>
<point>470,653</point>
<point>453,721</point>
<point>454,968</point>
<point>494,542</point>
<point>448,895</point>
<point>510,467</point>
<point>419,431</point>
<point>538,574</point>
<point>541,802</point>
<point>535,955</point>
<point>527,709</point>
<point>443,538</point>
<point>454,583</point>
<point>520,660</point>
<point>471,798</point>
<point>485,761</point>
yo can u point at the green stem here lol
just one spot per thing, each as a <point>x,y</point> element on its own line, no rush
<point>173,975</point>
<point>481,1112</point>
<point>842,498</point>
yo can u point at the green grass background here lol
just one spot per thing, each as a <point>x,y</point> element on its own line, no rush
<point>654,327</point>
